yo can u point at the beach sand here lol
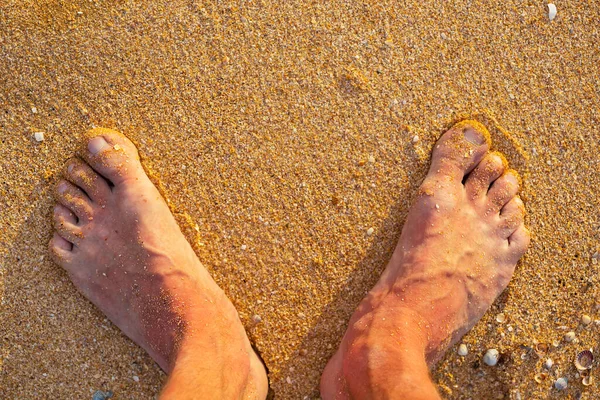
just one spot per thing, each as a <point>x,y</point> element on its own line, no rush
<point>280,133</point>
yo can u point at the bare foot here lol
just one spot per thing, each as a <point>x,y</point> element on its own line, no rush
<point>457,252</point>
<point>118,241</point>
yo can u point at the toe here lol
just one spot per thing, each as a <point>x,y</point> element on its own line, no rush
<point>460,149</point>
<point>65,224</point>
<point>503,190</point>
<point>511,216</point>
<point>75,200</point>
<point>60,250</point>
<point>83,176</point>
<point>487,171</point>
<point>519,241</point>
<point>112,155</point>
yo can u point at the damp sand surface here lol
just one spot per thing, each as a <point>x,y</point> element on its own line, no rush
<point>290,138</point>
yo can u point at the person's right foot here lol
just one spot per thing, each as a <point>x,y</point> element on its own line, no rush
<point>118,241</point>
<point>457,252</point>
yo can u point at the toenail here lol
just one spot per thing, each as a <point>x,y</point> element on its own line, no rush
<point>97,144</point>
<point>62,187</point>
<point>474,136</point>
<point>70,168</point>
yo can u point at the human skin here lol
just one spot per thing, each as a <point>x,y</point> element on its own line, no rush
<point>457,252</point>
<point>118,241</point>
<point>120,245</point>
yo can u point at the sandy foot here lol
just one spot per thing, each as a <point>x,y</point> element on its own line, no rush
<point>457,252</point>
<point>118,241</point>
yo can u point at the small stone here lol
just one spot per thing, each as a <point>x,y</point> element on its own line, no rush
<point>569,337</point>
<point>288,380</point>
<point>256,319</point>
<point>244,247</point>
<point>586,320</point>
<point>100,395</point>
<point>303,352</point>
<point>548,363</point>
<point>551,11</point>
<point>370,231</point>
<point>501,318</point>
<point>561,383</point>
<point>136,378</point>
<point>117,147</point>
<point>415,138</point>
<point>491,357</point>
<point>371,159</point>
<point>39,136</point>
<point>444,36</point>
<point>462,350</point>
<point>34,110</point>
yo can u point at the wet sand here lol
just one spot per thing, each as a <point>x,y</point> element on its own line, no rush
<point>284,131</point>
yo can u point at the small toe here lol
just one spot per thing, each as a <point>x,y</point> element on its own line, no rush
<point>503,190</point>
<point>65,224</point>
<point>75,200</point>
<point>60,250</point>
<point>511,216</point>
<point>460,149</point>
<point>112,155</point>
<point>519,241</point>
<point>487,171</point>
<point>82,175</point>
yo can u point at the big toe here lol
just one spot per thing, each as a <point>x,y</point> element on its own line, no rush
<point>112,155</point>
<point>460,149</point>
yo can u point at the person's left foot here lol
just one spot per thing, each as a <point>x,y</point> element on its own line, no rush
<point>118,241</point>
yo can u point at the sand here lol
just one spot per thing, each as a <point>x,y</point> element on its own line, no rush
<point>284,131</point>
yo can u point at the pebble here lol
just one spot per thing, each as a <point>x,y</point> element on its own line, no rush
<point>586,320</point>
<point>39,136</point>
<point>244,247</point>
<point>444,36</point>
<point>551,11</point>
<point>569,337</point>
<point>370,231</point>
<point>136,378</point>
<point>548,363</point>
<point>371,159</point>
<point>462,350</point>
<point>561,383</point>
<point>288,380</point>
<point>491,357</point>
<point>500,318</point>
<point>100,395</point>
<point>34,110</point>
<point>415,138</point>
<point>256,318</point>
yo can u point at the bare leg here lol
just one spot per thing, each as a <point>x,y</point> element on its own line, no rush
<point>457,252</point>
<point>118,241</point>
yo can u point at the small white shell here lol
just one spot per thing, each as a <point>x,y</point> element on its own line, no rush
<point>501,318</point>
<point>370,231</point>
<point>587,380</point>
<point>584,360</point>
<point>586,320</point>
<point>561,383</point>
<point>491,357</point>
<point>570,336</point>
<point>39,136</point>
<point>462,350</point>
<point>256,318</point>
<point>548,363</point>
<point>551,11</point>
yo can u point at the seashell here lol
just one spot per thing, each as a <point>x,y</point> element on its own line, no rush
<point>570,336</point>
<point>584,360</point>
<point>555,343</point>
<point>541,349</point>
<point>501,318</point>
<point>541,377</point>
<point>548,363</point>
<point>561,383</point>
<point>551,11</point>
<point>587,380</point>
<point>462,350</point>
<point>491,357</point>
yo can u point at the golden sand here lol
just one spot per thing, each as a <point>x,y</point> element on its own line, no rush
<point>284,131</point>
